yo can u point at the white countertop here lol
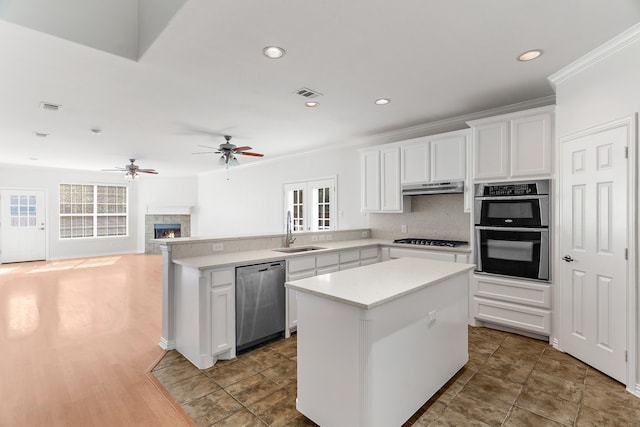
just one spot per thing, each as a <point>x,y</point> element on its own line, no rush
<point>373,285</point>
<point>233,259</point>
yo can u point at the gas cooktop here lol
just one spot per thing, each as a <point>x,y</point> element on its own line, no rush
<point>431,242</point>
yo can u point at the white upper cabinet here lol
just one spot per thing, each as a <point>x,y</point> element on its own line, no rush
<point>513,146</point>
<point>415,163</point>
<point>434,158</point>
<point>448,158</point>
<point>370,180</point>
<point>380,179</point>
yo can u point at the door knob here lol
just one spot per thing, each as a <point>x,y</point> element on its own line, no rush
<point>567,258</point>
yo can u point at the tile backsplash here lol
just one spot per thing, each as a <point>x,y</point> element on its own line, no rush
<point>437,216</point>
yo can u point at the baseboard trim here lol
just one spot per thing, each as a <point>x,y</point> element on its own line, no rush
<point>167,344</point>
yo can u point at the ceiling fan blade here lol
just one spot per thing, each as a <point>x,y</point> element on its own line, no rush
<point>247,153</point>
<point>206,146</point>
<point>116,169</point>
<point>244,148</point>
<point>206,152</point>
<point>148,171</point>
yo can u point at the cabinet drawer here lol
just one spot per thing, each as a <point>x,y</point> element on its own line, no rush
<point>528,293</point>
<point>419,253</point>
<point>349,256</point>
<point>369,253</point>
<point>530,319</point>
<point>328,269</point>
<point>369,261</point>
<point>325,260</point>
<point>462,258</point>
<point>348,265</point>
<point>222,277</point>
<point>301,264</point>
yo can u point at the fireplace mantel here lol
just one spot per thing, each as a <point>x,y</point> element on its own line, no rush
<point>169,210</point>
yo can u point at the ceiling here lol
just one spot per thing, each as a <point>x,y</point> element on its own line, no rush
<point>163,77</point>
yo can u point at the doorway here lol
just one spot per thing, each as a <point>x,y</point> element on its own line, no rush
<point>597,288</point>
<point>22,225</point>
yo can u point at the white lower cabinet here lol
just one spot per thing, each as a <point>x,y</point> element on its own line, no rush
<point>205,316</point>
<point>518,304</point>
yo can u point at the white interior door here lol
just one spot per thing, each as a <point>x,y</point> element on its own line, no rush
<point>593,250</point>
<point>22,225</point>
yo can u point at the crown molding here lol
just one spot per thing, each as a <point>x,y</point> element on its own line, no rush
<point>616,44</point>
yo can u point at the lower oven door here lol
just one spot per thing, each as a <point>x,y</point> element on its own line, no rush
<point>515,252</point>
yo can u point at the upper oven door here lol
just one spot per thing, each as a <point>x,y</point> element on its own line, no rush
<point>512,211</point>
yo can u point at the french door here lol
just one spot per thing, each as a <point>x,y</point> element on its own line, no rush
<point>22,225</point>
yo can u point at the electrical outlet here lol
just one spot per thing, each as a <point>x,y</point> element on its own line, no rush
<point>314,238</point>
<point>218,247</point>
<point>365,234</point>
<point>328,237</point>
<point>403,227</point>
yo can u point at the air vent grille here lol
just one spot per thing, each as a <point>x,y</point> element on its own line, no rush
<point>308,93</point>
<point>41,134</point>
<point>49,106</point>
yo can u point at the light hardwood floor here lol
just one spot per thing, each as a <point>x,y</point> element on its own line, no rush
<point>77,340</point>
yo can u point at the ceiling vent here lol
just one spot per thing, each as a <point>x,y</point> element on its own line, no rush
<point>49,106</point>
<point>41,134</point>
<point>308,93</point>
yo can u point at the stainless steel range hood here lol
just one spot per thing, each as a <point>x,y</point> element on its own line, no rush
<point>433,188</point>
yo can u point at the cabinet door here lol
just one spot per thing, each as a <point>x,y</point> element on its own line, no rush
<point>414,158</point>
<point>531,146</point>
<point>448,157</point>
<point>391,195</point>
<point>292,303</point>
<point>370,180</point>
<point>223,330</point>
<point>491,150</point>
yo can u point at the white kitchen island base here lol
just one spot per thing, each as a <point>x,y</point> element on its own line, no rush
<point>377,365</point>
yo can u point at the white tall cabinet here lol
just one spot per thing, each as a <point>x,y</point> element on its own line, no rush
<point>513,146</point>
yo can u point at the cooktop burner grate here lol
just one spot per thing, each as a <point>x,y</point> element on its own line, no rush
<point>431,242</point>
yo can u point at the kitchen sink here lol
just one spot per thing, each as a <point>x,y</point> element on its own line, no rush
<point>298,249</point>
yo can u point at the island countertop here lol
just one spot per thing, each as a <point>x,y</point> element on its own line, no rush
<point>376,284</point>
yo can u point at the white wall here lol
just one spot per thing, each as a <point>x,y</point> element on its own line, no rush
<point>605,91</point>
<point>249,199</point>
<point>48,179</point>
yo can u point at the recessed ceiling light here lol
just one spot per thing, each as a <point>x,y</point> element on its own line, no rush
<point>273,52</point>
<point>382,101</point>
<point>41,134</point>
<point>529,55</point>
<point>33,159</point>
<point>311,104</point>
<point>96,131</point>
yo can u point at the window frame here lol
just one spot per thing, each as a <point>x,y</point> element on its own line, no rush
<point>310,215</point>
<point>95,209</point>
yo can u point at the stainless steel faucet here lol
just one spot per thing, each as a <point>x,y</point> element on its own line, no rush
<point>288,241</point>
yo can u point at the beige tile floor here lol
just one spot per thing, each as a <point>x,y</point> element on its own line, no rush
<point>509,380</point>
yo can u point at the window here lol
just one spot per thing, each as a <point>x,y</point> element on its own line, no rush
<point>93,211</point>
<point>312,205</point>
<point>22,211</point>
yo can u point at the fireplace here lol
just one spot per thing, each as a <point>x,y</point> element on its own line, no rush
<point>166,231</point>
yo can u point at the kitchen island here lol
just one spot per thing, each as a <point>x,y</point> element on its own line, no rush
<point>376,342</point>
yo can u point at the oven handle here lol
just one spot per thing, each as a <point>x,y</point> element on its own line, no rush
<point>484,227</point>
<point>524,197</point>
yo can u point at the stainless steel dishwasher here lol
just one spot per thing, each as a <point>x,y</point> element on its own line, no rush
<point>260,300</point>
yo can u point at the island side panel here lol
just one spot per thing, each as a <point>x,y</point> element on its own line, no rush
<point>377,367</point>
<point>328,360</point>
<point>419,343</point>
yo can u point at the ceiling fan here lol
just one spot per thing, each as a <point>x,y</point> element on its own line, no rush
<point>229,151</point>
<point>131,170</point>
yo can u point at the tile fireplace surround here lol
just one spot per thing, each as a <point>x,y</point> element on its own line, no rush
<point>151,219</point>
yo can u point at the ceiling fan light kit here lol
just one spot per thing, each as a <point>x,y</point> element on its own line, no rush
<point>131,171</point>
<point>229,151</point>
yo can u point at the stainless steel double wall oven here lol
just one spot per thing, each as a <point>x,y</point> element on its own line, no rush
<point>512,229</point>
